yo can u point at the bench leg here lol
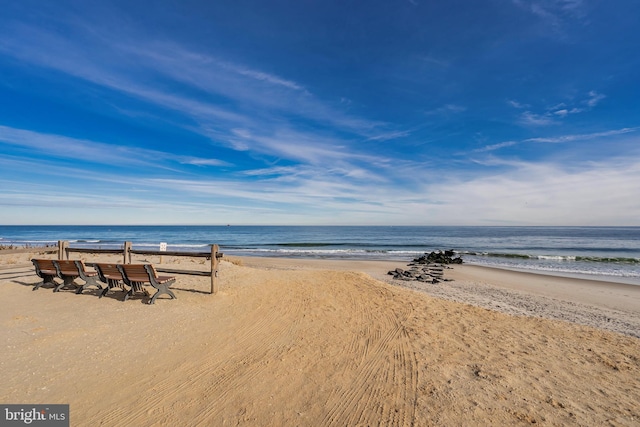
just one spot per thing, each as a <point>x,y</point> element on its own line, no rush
<point>67,281</point>
<point>163,288</point>
<point>110,284</point>
<point>46,280</point>
<point>104,291</point>
<point>135,287</point>
<point>89,281</point>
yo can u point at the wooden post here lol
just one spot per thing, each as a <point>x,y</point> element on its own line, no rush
<point>214,269</point>
<point>63,249</point>
<point>127,252</point>
<point>163,248</point>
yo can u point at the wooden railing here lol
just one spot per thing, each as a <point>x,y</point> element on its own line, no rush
<point>214,256</point>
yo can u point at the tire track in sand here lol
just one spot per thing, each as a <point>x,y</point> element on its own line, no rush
<point>384,356</point>
<point>260,338</point>
<point>375,353</point>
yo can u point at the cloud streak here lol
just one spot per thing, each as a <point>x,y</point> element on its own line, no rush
<point>63,147</point>
<point>555,14</point>
<point>561,139</point>
<point>553,115</point>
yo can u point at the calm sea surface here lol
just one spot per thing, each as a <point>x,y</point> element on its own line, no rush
<point>593,251</point>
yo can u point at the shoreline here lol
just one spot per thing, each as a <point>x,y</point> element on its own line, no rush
<point>633,281</point>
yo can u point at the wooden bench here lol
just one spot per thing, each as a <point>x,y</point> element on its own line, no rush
<point>47,271</point>
<point>136,275</point>
<point>69,270</point>
<point>109,274</point>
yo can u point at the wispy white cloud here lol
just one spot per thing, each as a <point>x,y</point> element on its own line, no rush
<point>95,152</point>
<point>594,98</point>
<point>309,173</point>
<point>493,147</point>
<point>552,114</point>
<point>554,13</point>
<point>516,104</point>
<point>262,76</point>
<point>309,148</point>
<point>433,60</point>
<point>447,109</point>
<point>582,137</point>
<point>559,139</point>
<point>532,119</point>
<point>50,198</point>
<point>390,135</point>
<point>303,194</point>
<point>77,149</point>
<point>274,171</point>
<point>573,7</point>
<point>214,75</point>
<point>203,162</point>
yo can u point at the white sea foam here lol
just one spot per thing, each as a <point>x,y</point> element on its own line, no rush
<point>556,257</point>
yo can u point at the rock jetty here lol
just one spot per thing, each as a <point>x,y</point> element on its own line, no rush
<point>428,268</point>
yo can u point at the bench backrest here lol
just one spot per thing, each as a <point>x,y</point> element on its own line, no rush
<point>108,271</point>
<point>44,265</point>
<point>137,272</point>
<point>67,267</point>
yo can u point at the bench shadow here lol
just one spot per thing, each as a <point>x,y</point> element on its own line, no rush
<point>119,294</point>
<point>194,291</point>
<point>112,294</point>
<point>17,276</point>
<point>31,285</point>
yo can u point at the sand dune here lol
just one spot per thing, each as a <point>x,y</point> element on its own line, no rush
<point>306,343</point>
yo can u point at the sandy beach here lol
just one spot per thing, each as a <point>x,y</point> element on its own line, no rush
<point>320,342</point>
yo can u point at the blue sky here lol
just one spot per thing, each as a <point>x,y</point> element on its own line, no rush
<point>483,112</point>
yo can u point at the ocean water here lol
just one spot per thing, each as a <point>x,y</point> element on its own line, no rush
<point>597,252</point>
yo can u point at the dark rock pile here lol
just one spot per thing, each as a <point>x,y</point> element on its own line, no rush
<point>438,257</point>
<point>428,268</point>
